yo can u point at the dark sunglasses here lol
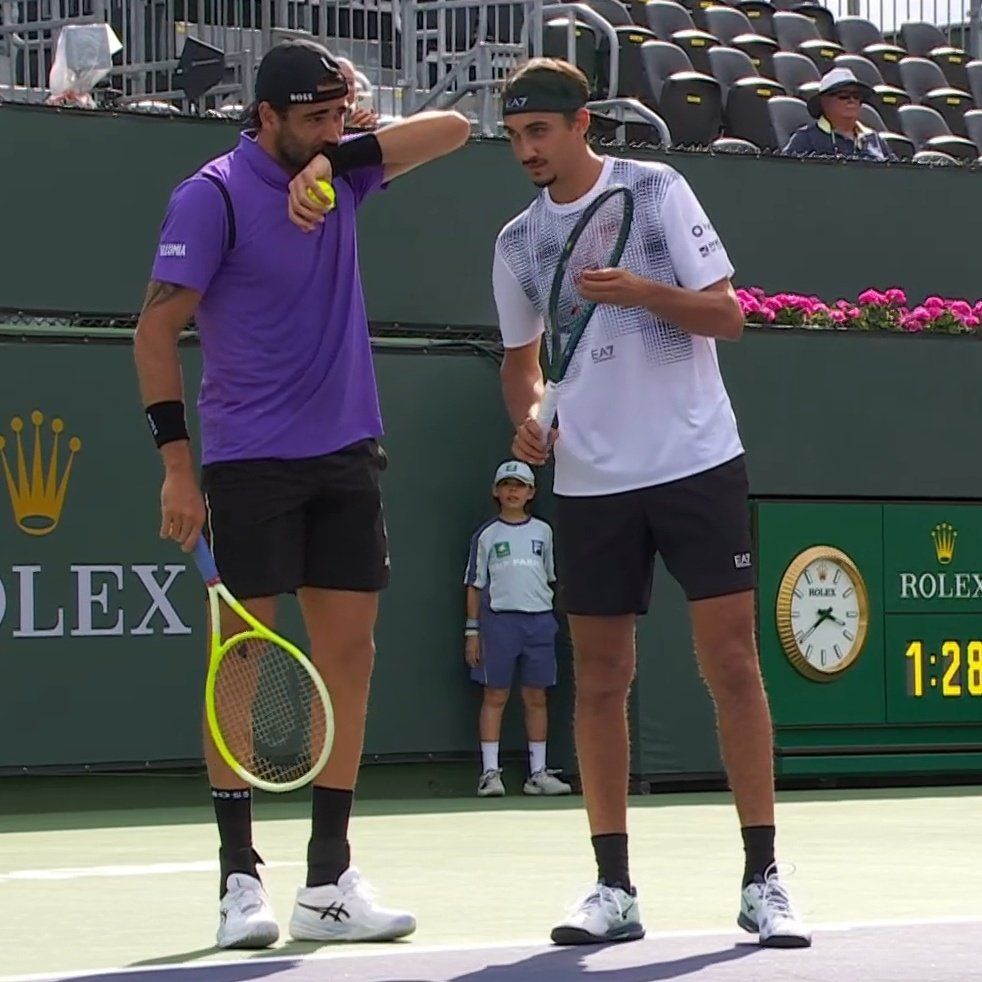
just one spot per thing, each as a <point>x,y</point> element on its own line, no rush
<point>848,97</point>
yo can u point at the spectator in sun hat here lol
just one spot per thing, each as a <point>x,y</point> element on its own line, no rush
<point>837,131</point>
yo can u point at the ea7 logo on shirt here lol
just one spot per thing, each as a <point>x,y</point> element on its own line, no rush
<point>741,560</point>
<point>602,354</point>
<point>709,248</point>
<point>170,249</point>
<point>502,549</point>
<point>537,546</point>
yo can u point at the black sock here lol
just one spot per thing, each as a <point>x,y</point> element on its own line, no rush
<point>611,852</point>
<point>328,852</point>
<point>758,847</point>
<point>233,809</point>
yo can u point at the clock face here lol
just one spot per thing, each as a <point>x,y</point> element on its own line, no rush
<point>822,612</point>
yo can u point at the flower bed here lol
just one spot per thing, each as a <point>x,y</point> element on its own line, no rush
<point>871,311</point>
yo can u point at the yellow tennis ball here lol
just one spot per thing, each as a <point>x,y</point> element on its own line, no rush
<point>327,190</point>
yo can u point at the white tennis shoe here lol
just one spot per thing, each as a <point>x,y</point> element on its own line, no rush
<point>766,910</point>
<point>490,785</point>
<point>605,914</point>
<point>346,912</point>
<point>546,782</point>
<point>245,917</point>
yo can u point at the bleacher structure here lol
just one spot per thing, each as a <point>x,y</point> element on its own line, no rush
<point>732,76</point>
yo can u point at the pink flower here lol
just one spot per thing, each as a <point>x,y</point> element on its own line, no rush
<point>838,316</point>
<point>896,296</point>
<point>846,304</point>
<point>853,312</point>
<point>872,297</point>
<point>934,303</point>
<point>924,314</point>
<point>960,308</point>
<point>770,316</point>
<point>971,321</point>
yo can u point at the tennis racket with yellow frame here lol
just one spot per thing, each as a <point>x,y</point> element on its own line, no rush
<point>267,707</point>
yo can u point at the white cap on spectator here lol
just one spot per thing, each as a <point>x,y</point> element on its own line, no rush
<point>834,81</point>
<point>516,470</point>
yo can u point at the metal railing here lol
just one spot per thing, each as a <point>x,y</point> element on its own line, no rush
<point>414,53</point>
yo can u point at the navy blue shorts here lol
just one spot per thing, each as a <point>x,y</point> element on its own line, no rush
<point>510,639</point>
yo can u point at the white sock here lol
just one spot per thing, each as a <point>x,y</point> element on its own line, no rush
<point>537,757</point>
<point>489,755</point>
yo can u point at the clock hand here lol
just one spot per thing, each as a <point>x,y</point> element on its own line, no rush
<point>823,614</point>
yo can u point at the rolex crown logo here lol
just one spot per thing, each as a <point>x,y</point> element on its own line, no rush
<point>823,572</point>
<point>944,542</point>
<point>37,486</point>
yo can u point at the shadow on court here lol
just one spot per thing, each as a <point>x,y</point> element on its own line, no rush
<point>862,954</point>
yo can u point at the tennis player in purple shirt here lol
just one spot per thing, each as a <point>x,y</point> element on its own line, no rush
<point>290,426</point>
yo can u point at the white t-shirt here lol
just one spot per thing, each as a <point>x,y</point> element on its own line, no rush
<point>642,402</point>
<point>514,562</point>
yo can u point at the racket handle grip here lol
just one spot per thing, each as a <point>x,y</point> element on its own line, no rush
<point>205,561</point>
<point>547,408</point>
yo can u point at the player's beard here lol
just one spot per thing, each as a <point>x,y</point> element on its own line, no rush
<point>293,153</point>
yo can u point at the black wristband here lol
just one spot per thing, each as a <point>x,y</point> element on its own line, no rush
<point>167,422</point>
<point>362,151</point>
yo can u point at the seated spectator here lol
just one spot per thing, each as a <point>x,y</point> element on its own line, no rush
<point>359,115</point>
<point>837,131</point>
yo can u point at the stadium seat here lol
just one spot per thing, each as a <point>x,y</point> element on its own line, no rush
<point>632,81</point>
<point>732,144</point>
<point>746,115</point>
<point>898,143</point>
<point>861,67</point>
<point>857,33</point>
<point>760,13</point>
<point>795,32</point>
<point>953,62</point>
<point>974,71</point>
<point>690,102</point>
<point>926,84</point>
<point>696,45</point>
<point>871,119</point>
<point>887,58</point>
<point>822,18</point>
<point>792,30</point>
<point>973,126</point>
<point>636,8</point>
<point>933,158</point>
<point>613,11</point>
<point>793,70</point>
<point>726,23</point>
<point>929,131</point>
<point>663,18</point>
<point>697,8</point>
<point>629,120</point>
<point>728,65</point>
<point>887,100</point>
<point>760,49</point>
<point>921,38</point>
<point>555,39</point>
<point>787,115</point>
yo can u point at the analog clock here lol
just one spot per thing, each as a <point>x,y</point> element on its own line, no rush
<point>822,613</point>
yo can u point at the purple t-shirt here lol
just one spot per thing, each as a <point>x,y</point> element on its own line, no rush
<point>287,361</point>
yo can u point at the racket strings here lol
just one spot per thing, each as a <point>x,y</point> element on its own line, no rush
<point>269,711</point>
<point>593,249</point>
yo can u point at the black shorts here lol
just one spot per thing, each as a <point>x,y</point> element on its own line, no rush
<point>277,525</point>
<point>606,544</point>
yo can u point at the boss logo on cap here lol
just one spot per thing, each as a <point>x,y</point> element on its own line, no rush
<point>517,102</point>
<point>301,97</point>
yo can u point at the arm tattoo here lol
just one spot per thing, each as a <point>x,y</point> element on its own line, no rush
<point>158,293</point>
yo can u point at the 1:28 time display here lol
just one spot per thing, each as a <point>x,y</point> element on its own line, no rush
<point>955,672</point>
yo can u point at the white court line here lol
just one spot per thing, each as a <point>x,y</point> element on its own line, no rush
<point>389,951</point>
<point>153,869</point>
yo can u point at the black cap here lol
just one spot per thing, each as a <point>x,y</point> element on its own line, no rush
<point>297,73</point>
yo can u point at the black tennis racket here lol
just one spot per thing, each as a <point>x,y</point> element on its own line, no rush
<point>596,242</point>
